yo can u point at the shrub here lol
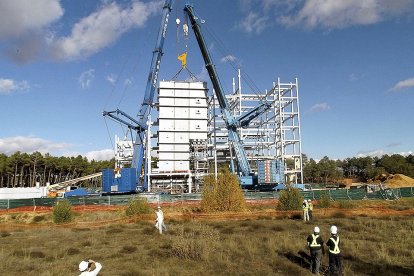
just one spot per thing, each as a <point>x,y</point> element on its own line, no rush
<point>138,206</point>
<point>290,199</point>
<point>62,212</point>
<point>325,201</point>
<point>225,194</point>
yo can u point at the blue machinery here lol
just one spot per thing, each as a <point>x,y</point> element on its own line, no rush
<point>247,178</point>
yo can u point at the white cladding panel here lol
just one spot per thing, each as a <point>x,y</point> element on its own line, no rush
<point>198,135</point>
<point>174,147</point>
<point>198,113</point>
<point>182,116</point>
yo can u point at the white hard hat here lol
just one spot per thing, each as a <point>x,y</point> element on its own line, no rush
<point>159,207</point>
<point>316,229</point>
<point>334,230</point>
<point>83,266</point>
<point>309,200</point>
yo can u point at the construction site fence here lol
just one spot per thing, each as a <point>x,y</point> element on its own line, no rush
<point>113,200</point>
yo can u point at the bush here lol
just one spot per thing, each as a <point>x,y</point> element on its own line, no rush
<point>138,206</point>
<point>225,194</point>
<point>62,212</point>
<point>290,199</point>
<point>325,201</point>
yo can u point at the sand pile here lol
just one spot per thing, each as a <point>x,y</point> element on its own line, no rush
<point>399,180</point>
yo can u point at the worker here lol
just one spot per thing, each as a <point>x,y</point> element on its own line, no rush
<point>305,208</point>
<point>86,266</point>
<point>316,248</point>
<point>159,222</point>
<point>335,263</point>
<point>310,211</point>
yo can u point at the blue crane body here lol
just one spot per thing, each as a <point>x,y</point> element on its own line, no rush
<point>247,178</point>
<point>140,125</point>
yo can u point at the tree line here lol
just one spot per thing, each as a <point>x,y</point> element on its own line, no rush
<point>360,168</point>
<point>24,170</point>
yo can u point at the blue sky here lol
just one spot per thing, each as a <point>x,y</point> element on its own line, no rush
<point>63,62</point>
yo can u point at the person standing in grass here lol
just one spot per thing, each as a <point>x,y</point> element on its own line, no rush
<point>159,222</point>
<point>315,244</point>
<point>310,211</point>
<point>305,208</point>
<point>335,262</point>
<point>86,268</point>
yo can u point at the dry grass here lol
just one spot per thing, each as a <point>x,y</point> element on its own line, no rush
<point>257,246</point>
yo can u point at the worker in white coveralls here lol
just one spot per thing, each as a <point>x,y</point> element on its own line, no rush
<point>159,222</point>
<point>305,208</point>
<point>85,267</point>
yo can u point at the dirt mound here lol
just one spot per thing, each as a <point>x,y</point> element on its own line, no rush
<point>399,180</point>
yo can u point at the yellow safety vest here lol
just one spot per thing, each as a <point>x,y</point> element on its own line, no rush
<point>310,206</point>
<point>314,243</point>
<point>305,207</point>
<point>336,246</point>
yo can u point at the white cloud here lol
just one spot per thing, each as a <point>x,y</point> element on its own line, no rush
<point>253,23</point>
<point>404,84</point>
<point>111,79</point>
<point>228,58</point>
<point>29,144</point>
<point>381,152</point>
<point>8,86</point>
<point>102,28</point>
<point>319,107</point>
<point>100,155</point>
<point>334,14</point>
<point>18,17</point>
<point>86,78</point>
<point>24,26</point>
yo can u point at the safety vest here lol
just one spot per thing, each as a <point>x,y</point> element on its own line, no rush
<point>314,243</point>
<point>310,206</point>
<point>305,207</point>
<point>336,246</point>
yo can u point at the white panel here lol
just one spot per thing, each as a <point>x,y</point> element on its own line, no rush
<point>198,94</point>
<point>166,112</point>
<point>198,102</point>
<point>166,147</point>
<point>198,125</point>
<point>198,113</point>
<point>181,138</point>
<point>166,155</point>
<point>166,125</point>
<point>198,135</point>
<point>164,92</point>
<point>166,137</point>
<point>182,147</point>
<point>181,112</point>
<point>181,165</point>
<point>181,156</point>
<point>182,125</point>
<point>165,166</point>
<point>166,101</point>
<point>182,102</point>
<point>182,93</point>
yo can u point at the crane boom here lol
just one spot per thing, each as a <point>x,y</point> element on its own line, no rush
<point>145,110</point>
<point>231,122</point>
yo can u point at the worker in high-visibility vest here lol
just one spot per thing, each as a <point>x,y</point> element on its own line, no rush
<point>305,208</point>
<point>316,248</point>
<point>335,262</point>
<point>310,211</point>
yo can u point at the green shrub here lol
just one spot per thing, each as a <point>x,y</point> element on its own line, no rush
<point>290,199</point>
<point>325,201</point>
<point>225,194</point>
<point>62,212</point>
<point>138,206</point>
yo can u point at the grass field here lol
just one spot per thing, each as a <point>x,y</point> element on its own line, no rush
<point>260,245</point>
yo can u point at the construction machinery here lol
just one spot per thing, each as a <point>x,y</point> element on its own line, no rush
<point>127,180</point>
<point>247,178</point>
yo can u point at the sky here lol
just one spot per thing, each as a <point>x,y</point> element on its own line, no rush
<point>62,63</point>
